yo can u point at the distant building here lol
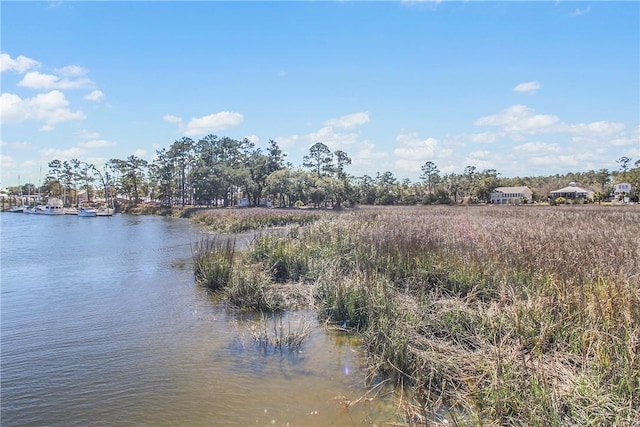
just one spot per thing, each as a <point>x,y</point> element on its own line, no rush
<point>623,191</point>
<point>572,192</point>
<point>245,203</point>
<point>511,195</point>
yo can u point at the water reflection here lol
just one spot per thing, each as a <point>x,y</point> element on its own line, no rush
<point>99,327</point>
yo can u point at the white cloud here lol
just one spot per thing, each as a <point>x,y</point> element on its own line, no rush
<point>97,143</point>
<point>366,152</point>
<point>329,133</point>
<point>528,87</point>
<point>72,71</point>
<point>212,123</point>
<point>38,80</point>
<point>520,119</point>
<point>411,147</point>
<point>407,165</point>
<point>140,153</point>
<point>480,153</point>
<point>484,137</point>
<point>60,154</point>
<point>332,139</point>
<point>349,121</point>
<point>51,108</point>
<point>537,147</point>
<point>519,122</point>
<point>602,128</point>
<point>172,119</point>
<point>253,138</point>
<point>626,141</point>
<point>481,159</point>
<point>288,141</point>
<point>19,64</point>
<point>84,134</point>
<point>7,162</point>
<point>95,95</point>
<point>580,12</point>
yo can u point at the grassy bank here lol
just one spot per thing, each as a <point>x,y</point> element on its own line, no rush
<point>509,315</point>
<point>241,220</point>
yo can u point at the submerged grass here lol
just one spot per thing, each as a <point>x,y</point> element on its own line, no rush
<point>498,315</point>
<point>272,334</point>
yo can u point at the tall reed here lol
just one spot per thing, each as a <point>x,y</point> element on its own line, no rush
<point>499,315</point>
<point>514,315</point>
<point>213,260</point>
<point>242,220</point>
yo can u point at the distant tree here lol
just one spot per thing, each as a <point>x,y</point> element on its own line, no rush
<point>105,176</point>
<point>258,166</point>
<point>342,160</point>
<point>624,165</point>
<point>454,185</point>
<point>319,159</point>
<point>431,175</point>
<point>469,185</point>
<point>54,177</point>
<point>486,182</point>
<point>387,191</point>
<point>276,156</point>
<point>603,177</point>
<point>181,155</point>
<point>132,171</point>
<point>365,190</point>
<point>278,185</point>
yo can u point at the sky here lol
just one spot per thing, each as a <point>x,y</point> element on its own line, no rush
<point>527,88</point>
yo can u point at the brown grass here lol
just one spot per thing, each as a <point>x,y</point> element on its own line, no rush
<point>495,315</point>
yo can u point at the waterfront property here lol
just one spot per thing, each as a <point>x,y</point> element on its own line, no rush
<point>511,195</point>
<point>572,191</point>
<point>622,192</point>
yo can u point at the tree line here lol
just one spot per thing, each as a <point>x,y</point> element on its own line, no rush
<point>220,171</point>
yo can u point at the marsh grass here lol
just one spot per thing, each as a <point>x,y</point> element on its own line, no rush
<point>495,315</point>
<point>251,289</point>
<point>242,220</point>
<point>213,261</point>
<point>273,334</point>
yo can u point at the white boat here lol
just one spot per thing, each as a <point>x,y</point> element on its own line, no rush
<point>105,212</point>
<point>71,211</point>
<point>87,212</point>
<point>35,210</point>
<point>54,206</point>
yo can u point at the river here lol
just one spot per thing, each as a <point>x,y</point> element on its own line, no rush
<point>102,324</point>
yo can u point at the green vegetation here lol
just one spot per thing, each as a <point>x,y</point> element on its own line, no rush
<point>241,220</point>
<point>510,316</point>
<point>223,172</point>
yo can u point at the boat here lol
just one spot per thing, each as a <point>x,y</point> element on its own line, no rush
<point>71,211</point>
<point>54,206</point>
<point>35,210</point>
<point>87,212</point>
<point>105,212</point>
<point>19,208</point>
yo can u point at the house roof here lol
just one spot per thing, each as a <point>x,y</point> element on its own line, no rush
<point>510,189</point>
<point>571,189</point>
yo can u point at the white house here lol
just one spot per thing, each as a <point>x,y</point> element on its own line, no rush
<point>623,191</point>
<point>245,202</point>
<point>572,192</point>
<point>511,195</point>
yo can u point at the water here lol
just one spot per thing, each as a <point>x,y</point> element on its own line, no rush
<point>102,324</point>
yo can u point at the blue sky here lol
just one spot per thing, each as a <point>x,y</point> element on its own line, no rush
<point>526,88</point>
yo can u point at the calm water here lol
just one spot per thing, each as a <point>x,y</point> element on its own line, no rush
<point>102,324</point>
